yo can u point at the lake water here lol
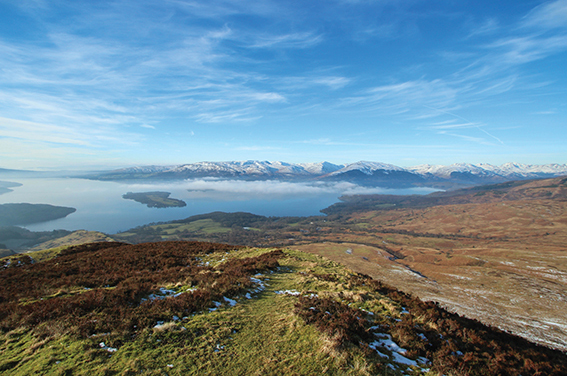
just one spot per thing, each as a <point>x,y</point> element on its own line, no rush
<point>100,206</point>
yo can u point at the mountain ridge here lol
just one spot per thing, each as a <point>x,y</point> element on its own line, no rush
<point>362,172</point>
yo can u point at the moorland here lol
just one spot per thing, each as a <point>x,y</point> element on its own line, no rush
<point>188,308</point>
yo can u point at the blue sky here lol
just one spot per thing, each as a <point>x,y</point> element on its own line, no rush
<point>89,84</point>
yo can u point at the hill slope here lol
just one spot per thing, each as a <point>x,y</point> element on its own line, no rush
<point>494,253</point>
<point>204,308</point>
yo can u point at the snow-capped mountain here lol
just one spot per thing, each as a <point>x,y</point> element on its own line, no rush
<point>143,169</point>
<point>363,172</point>
<point>485,171</point>
<point>265,169</point>
<point>375,174</point>
<point>368,168</point>
<point>320,168</point>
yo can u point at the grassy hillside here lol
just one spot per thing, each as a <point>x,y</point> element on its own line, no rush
<point>183,308</point>
<point>75,238</point>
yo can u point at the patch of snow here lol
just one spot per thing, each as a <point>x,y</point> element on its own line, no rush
<point>164,293</point>
<point>107,348</point>
<point>398,358</point>
<point>288,292</point>
<point>261,285</point>
<point>231,302</point>
<point>99,335</point>
<point>385,341</point>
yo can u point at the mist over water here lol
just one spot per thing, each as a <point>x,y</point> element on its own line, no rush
<point>100,206</point>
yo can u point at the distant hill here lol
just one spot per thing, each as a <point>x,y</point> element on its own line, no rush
<point>363,173</point>
<point>555,188</point>
<point>24,214</point>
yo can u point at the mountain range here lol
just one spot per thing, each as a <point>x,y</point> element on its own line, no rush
<point>363,172</point>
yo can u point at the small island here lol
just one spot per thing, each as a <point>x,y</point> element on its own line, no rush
<point>155,199</point>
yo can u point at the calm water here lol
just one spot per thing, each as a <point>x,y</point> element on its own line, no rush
<point>100,206</point>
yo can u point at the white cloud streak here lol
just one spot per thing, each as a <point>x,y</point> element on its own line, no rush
<point>548,15</point>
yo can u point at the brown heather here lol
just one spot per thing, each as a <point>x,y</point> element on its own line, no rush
<point>100,287</point>
<point>455,345</point>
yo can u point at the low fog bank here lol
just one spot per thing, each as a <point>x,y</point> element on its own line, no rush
<point>269,189</point>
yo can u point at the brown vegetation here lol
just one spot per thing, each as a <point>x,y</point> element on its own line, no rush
<point>451,342</point>
<point>104,287</point>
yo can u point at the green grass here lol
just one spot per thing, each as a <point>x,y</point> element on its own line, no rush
<point>207,226</point>
<point>46,254</point>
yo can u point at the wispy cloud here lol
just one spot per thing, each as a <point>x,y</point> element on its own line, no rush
<point>57,134</point>
<point>296,40</point>
<point>549,15</point>
<point>459,125</point>
<point>333,83</point>
<point>514,50</point>
<point>406,97</point>
<point>488,27</point>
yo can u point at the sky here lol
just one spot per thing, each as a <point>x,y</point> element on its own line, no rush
<point>107,84</point>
